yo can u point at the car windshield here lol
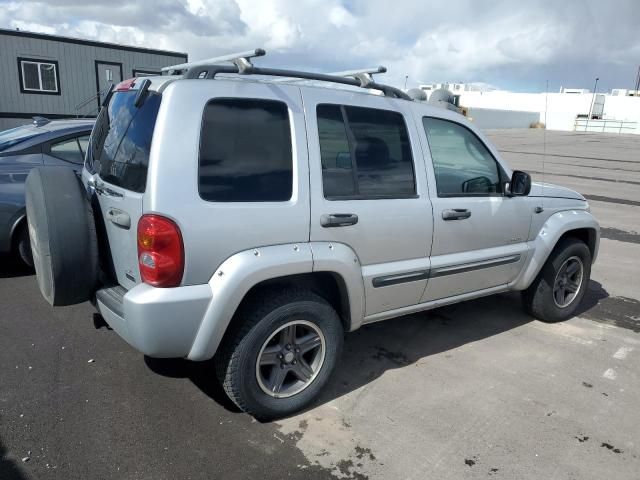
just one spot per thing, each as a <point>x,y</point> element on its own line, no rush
<point>14,136</point>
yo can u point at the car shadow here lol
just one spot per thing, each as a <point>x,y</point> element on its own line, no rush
<point>202,374</point>
<point>376,348</point>
<point>11,267</point>
<point>9,469</point>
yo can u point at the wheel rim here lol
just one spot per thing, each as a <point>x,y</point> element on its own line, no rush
<point>568,282</point>
<point>290,359</point>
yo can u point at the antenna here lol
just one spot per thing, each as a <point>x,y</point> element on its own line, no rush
<point>544,139</point>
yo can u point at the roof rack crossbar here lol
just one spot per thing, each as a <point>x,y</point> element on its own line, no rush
<point>210,72</point>
<point>241,59</point>
<point>364,73</point>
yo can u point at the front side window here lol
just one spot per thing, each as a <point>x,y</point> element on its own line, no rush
<point>38,76</point>
<point>245,151</point>
<point>462,164</point>
<point>69,150</point>
<point>365,153</point>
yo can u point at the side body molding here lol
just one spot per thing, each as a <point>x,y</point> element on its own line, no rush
<point>546,239</point>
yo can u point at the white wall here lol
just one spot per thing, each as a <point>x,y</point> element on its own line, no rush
<point>561,109</point>
<point>622,108</point>
<point>486,118</point>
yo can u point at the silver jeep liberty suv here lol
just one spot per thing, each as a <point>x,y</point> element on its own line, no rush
<point>224,213</point>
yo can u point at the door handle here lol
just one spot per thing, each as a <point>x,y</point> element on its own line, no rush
<point>456,214</point>
<point>329,220</point>
<point>119,218</point>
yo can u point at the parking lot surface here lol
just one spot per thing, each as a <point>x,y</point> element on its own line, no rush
<point>473,390</point>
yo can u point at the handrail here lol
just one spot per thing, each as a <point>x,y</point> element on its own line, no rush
<point>90,99</point>
<point>601,125</point>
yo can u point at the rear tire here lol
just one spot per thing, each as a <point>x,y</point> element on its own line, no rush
<point>254,356</point>
<point>23,245</point>
<point>558,289</point>
<point>63,235</point>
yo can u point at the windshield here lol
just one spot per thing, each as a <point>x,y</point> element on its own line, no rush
<point>121,140</point>
<point>14,136</point>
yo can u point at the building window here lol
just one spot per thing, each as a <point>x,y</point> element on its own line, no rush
<point>39,76</point>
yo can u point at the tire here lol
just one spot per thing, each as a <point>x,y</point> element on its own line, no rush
<point>63,235</point>
<point>23,245</point>
<point>539,299</point>
<point>261,317</point>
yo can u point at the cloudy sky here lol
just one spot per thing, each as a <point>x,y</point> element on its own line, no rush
<point>516,45</point>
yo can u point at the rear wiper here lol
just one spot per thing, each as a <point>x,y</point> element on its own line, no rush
<point>142,93</point>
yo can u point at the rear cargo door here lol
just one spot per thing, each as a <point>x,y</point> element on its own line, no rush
<point>118,161</point>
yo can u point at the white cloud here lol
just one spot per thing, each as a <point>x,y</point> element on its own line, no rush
<point>501,42</point>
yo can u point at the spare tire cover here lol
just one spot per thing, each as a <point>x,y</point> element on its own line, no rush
<point>63,235</point>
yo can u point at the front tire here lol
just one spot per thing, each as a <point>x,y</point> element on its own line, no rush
<point>279,352</point>
<point>558,289</point>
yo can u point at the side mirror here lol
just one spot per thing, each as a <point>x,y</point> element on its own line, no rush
<point>520,184</point>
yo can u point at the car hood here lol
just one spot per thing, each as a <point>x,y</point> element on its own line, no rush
<point>539,189</point>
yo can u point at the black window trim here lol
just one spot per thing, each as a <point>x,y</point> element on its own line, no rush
<point>503,177</point>
<point>291,139</point>
<point>354,163</point>
<point>39,92</point>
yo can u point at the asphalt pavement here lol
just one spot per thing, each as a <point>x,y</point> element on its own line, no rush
<point>473,390</point>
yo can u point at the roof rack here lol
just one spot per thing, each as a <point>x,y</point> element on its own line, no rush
<point>363,74</point>
<point>240,58</point>
<point>208,69</point>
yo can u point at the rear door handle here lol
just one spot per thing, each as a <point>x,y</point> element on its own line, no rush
<point>119,218</point>
<point>456,214</point>
<point>329,220</point>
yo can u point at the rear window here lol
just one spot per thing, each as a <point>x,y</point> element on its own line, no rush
<point>121,140</point>
<point>15,136</point>
<point>245,151</point>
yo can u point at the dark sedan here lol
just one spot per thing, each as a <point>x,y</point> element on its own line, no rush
<point>43,142</point>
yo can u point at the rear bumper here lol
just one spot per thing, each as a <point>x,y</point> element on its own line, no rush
<point>159,322</point>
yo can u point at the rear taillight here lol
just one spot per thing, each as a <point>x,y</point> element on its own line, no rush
<point>160,251</point>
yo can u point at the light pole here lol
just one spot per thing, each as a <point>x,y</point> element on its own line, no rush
<point>406,77</point>
<point>593,99</point>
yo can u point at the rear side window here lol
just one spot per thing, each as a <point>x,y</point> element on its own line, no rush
<point>245,151</point>
<point>69,150</point>
<point>365,152</point>
<point>121,140</point>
